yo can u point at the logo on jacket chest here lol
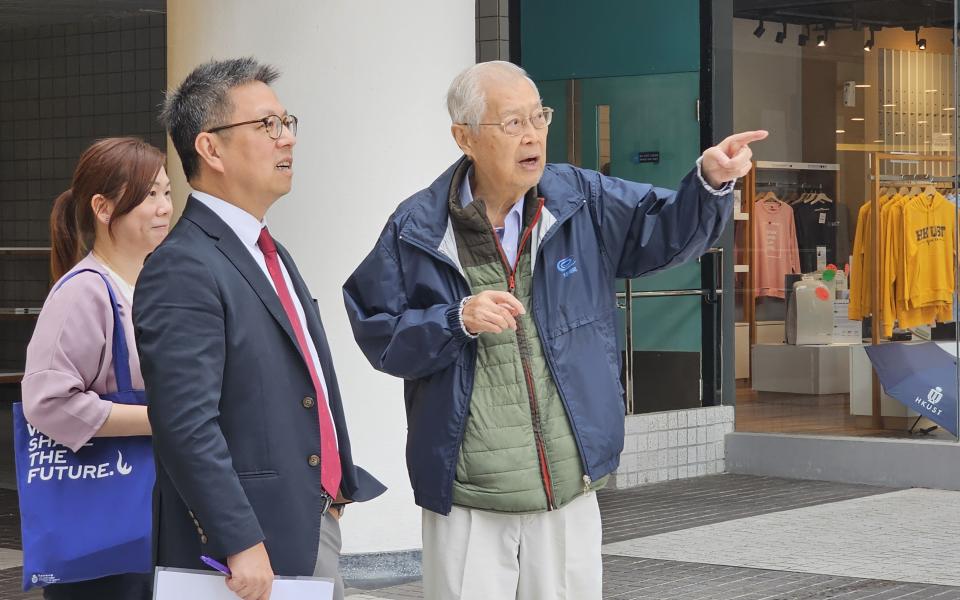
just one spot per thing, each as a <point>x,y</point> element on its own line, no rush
<point>567,266</point>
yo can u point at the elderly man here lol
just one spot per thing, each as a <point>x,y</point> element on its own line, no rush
<point>491,293</point>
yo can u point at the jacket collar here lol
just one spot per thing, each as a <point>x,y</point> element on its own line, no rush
<point>428,219</point>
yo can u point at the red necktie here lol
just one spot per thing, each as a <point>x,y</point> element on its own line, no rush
<point>329,456</point>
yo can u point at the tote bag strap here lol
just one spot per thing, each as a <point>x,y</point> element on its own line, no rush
<point>121,354</point>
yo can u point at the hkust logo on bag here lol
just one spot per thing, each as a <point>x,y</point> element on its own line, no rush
<point>44,577</point>
<point>49,462</point>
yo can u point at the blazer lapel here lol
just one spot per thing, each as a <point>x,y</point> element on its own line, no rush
<point>314,325</point>
<point>230,246</point>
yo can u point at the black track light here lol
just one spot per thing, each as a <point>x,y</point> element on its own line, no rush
<point>822,39</point>
<point>759,30</point>
<point>803,38</point>
<point>781,35</point>
<point>921,42</point>
<point>869,44</point>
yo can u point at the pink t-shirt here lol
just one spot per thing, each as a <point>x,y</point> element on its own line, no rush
<point>777,253</point>
<point>70,359</point>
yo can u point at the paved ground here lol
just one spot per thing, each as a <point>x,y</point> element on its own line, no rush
<point>730,537</point>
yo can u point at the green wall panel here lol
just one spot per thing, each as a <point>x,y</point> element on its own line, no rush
<point>574,39</point>
<point>647,113</point>
<point>554,95</point>
<point>668,324</point>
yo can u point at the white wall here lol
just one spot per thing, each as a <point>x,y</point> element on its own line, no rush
<point>367,79</point>
<point>767,91</point>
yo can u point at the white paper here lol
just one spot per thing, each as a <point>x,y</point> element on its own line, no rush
<point>183,584</point>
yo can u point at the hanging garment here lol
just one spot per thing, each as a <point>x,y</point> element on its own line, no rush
<point>777,254</point>
<point>914,267</point>
<point>816,232</point>
<point>929,250</point>
<point>860,300</point>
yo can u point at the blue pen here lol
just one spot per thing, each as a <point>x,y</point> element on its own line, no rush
<point>213,564</point>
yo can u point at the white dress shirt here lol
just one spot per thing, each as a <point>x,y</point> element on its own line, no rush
<point>247,228</point>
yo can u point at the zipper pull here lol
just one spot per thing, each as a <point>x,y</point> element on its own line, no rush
<point>511,283</point>
<point>586,484</point>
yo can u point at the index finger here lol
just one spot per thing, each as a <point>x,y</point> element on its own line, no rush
<point>747,137</point>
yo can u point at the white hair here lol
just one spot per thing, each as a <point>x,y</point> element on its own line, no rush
<point>466,101</point>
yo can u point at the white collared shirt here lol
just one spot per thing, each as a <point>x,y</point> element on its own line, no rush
<point>247,228</point>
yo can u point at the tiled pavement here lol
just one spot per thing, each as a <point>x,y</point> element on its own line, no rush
<point>730,537</point>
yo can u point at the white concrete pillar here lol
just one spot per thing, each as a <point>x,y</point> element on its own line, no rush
<point>367,78</point>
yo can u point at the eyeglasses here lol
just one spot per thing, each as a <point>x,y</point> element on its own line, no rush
<point>272,124</point>
<point>515,125</point>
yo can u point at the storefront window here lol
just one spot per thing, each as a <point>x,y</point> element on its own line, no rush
<point>846,229</point>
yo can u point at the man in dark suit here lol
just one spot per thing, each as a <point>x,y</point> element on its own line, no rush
<point>253,455</point>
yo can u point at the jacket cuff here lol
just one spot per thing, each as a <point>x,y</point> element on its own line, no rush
<point>724,189</point>
<point>455,322</point>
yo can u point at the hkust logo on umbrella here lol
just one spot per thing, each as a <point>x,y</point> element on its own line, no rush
<point>934,396</point>
<point>915,375</point>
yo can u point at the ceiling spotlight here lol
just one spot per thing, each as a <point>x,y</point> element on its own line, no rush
<point>803,37</point>
<point>868,45</point>
<point>781,35</point>
<point>759,30</point>
<point>822,39</point>
<point>921,42</point>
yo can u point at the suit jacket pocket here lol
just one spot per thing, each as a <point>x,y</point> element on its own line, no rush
<point>245,475</point>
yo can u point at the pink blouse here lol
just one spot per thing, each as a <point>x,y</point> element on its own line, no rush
<point>775,239</point>
<point>70,358</point>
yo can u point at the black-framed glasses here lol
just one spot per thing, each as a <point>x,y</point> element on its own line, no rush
<point>515,125</point>
<point>272,124</point>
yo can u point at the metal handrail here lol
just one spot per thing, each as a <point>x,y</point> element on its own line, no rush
<point>664,293</point>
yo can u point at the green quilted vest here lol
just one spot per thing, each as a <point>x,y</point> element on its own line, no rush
<point>517,443</point>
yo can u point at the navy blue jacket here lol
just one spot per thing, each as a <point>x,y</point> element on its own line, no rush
<point>403,303</point>
<point>227,392</point>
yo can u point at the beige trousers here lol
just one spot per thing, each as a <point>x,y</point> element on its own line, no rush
<point>328,554</point>
<point>477,554</point>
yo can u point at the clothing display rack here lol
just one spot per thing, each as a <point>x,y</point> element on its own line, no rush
<point>749,192</point>
<point>878,179</point>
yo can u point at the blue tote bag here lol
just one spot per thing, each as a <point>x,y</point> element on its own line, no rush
<point>87,514</point>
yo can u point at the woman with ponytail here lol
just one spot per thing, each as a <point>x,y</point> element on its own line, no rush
<point>115,213</point>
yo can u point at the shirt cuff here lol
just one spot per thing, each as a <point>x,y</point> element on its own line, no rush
<point>724,189</point>
<point>463,327</point>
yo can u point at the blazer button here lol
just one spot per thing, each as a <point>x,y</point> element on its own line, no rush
<point>203,539</point>
<point>308,402</point>
<point>313,460</point>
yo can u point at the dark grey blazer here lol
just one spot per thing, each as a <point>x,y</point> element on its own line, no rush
<point>232,404</point>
